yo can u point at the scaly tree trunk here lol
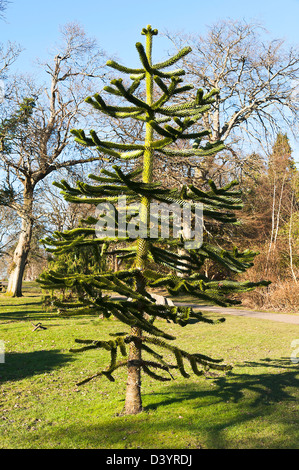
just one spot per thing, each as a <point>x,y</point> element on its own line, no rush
<point>133,403</point>
<point>20,257</point>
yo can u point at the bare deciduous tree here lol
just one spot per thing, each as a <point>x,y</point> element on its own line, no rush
<point>8,53</point>
<point>3,6</point>
<point>35,139</point>
<point>258,82</point>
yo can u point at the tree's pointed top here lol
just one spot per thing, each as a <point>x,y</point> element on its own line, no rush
<point>149,30</point>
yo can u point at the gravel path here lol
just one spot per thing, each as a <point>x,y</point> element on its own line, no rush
<point>280,317</point>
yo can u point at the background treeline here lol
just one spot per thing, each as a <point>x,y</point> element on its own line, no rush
<point>255,115</point>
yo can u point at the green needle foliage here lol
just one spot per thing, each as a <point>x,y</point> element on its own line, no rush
<point>149,262</point>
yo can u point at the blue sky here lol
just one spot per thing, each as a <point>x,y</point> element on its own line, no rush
<point>117,24</point>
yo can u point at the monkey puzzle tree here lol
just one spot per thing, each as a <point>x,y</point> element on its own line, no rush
<point>151,261</point>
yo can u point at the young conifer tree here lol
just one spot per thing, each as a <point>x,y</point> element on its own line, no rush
<point>166,123</point>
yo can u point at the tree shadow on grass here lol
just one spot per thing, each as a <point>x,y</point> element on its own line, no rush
<point>30,315</point>
<point>18,366</point>
<point>22,312</point>
<point>242,410</point>
<point>40,313</point>
<point>266,387</point>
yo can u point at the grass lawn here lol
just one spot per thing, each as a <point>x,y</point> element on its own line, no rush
<point>253,406</point>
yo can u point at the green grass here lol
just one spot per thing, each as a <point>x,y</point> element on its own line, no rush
<point>253,406</point>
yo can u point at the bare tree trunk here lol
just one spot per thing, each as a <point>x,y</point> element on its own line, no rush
<point>115,263</point>
<point>186,232</point>
<point>133,403</point>
<point>273,226</point>
<point>290,241</point>
<point>14,288</point>
<point>279,210</point>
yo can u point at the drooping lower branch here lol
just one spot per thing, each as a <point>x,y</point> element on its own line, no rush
<point>105,373</point>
